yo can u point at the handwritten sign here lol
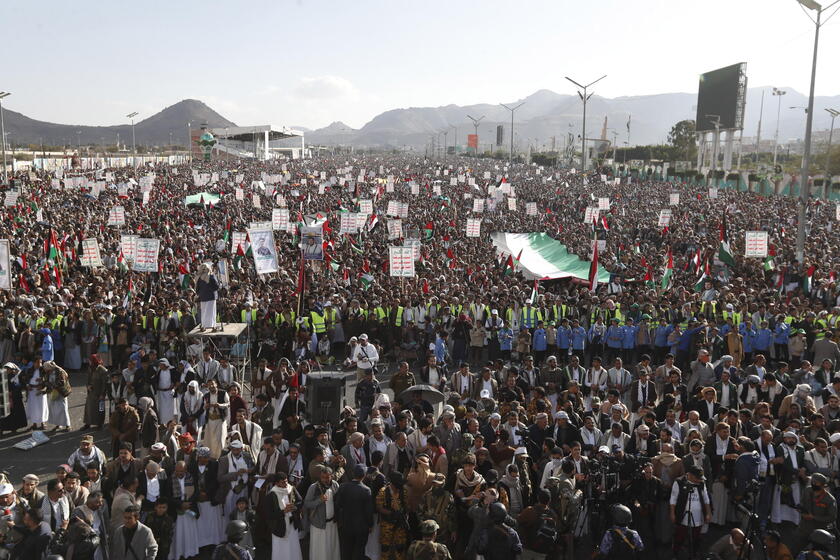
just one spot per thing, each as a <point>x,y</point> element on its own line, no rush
<point>756,244</point>
<point>401,262</point>
<point>116,217</point>
<point>473,227</point>
<point>146,255</point>
<point>90,253</point>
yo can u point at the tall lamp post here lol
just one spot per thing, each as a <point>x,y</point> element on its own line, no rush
<point>827,180</point>
<point>778,93</point>
<point>455,140</point>
<point>512,111</point>
<point>585,97</point>
<point>475,122</point>
<point>133,139</point>
<point>3,95</point>
<point>804,186</point>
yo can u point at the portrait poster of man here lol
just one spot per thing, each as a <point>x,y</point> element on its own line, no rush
<point>264,249</point>
<point>312,243</point>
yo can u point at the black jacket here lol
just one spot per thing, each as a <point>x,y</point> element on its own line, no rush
<point>354,508</point>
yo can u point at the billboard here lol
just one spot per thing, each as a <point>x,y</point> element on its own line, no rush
<point>722,92</point>
<point>472,141</point>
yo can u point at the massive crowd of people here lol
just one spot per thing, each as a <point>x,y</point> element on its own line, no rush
<point>636,416</point>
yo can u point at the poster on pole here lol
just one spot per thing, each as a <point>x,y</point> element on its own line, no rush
<point>473,227</point>
<point>415,245</point>
<point>366,206</point>
<point>279,219</point>
<point>674,199</point>
<point>604,203</point>
<point>264,250</point>
<point>116,217</point>
<point>590,215</point>
<point>239,194</point>
<point>401,262</point>
<point>255,200</point>
<point>530,208</point>
<point>478,205</point>
<point>756,244</point>
<point>90,253</point>
<point>146,255</point>
<point>311,240</point>
<point>511,203</point>
<point>713,192</point>
<point>128,246</point>
<point>395,230</point>
<point>664,217</point>
<point>5,266</point>
<point>238,239</point>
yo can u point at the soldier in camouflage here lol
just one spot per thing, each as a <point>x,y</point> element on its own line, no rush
<point>426,548</point>
<point>439,505</point>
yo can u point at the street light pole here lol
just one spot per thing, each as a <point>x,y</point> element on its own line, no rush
<point>510,158</point>
<point>475,122</point>
<point>804,186</point>
<point>778,93</point>
<point>585,97</point>
<point>455,140</point>
<point>827,179</point>
<point>3,95</point>
<point>133,139</point>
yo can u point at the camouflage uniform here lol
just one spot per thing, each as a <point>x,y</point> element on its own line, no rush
<point>428,550</point>
<point>439,505</point>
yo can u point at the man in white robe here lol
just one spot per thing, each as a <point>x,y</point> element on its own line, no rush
<point>164,391</point>
<point>320,506</point>
<point>216,406</point>
<point>185,539</point>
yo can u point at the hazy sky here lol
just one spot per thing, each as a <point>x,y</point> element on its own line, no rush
<point>309,62</point>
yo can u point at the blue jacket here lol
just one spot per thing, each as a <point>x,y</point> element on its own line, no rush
<point>629,341</point>
<point>660,335</point>
<point>505,338</point>
<point>578,338</point>
<point>564,337</point>
<point>615,337</point>
<point>684,344</point>
<point>763,339</point>
<point>749,336</point>
<point>539,343</point>
<point>782,333</point>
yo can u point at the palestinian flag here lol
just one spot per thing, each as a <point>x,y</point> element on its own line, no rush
<point>51,247</point>
<point>593,268</point>
<point>227,232</point>
<point>366,280</point>
<point>665,283</point>
<point>429,230</point>
<point>129,294</point>
<point>649,278</point>
<point>769,263</point>
<point>237,260</point>
<point>510,268</point>
<point>184,276</point>
<point>121,262</point>
<point>779,280</point>
<point>725,251</point>
<point>707,275</point>
<point>24,284</point>
<point>696,261</point>
<point>808,281</point>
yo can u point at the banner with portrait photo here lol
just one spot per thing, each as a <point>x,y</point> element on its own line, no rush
<point>311,243</point>
<point>264,250</point>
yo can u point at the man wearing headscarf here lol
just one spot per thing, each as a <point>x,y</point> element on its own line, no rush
<point>217,408</point>
<point>801,396</point>
<point>206,288</point>
<point>790,473</point>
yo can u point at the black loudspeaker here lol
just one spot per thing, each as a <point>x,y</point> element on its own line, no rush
<point>326,399</point>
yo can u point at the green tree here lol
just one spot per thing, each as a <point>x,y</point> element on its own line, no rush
<point>683,138</point>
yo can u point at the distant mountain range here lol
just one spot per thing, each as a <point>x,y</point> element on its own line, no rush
<point>152,131</point>
<point>545,114</point>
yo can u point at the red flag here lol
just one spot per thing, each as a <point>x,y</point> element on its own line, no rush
<point>450,254</point>
<point>593,268</point>
<point>425,286</point>
<point>644,263</point>
<point>365,266</point>
<point>24,284</point>
<point>345,274</point>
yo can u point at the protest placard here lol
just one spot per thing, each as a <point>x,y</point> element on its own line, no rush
<point>146,255</point>
<point>279,219</point>
<point>530,208</point>
<point>401,262</point>
<point>90,253</point>
<point>116,216</point>
<point>664,217</point>
<point>473,227</point>
<point>756,244</point>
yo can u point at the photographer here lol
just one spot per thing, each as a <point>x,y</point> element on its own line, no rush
<point>643,497</point>
<point>690,509</point>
